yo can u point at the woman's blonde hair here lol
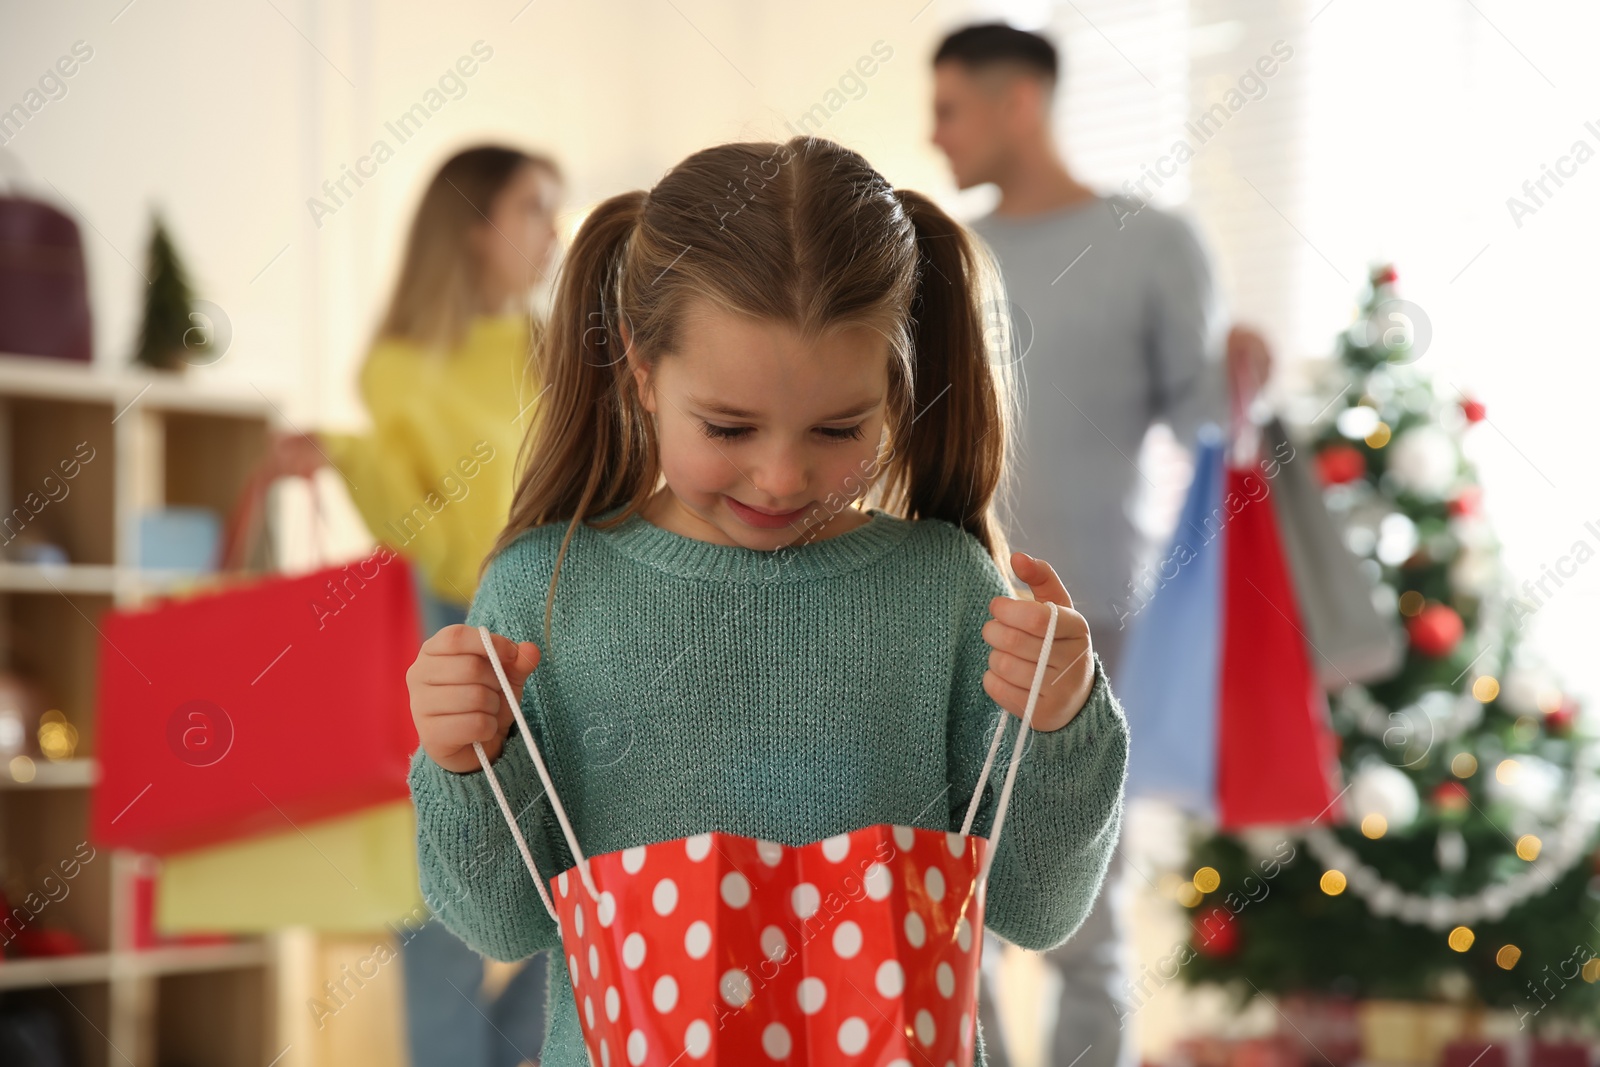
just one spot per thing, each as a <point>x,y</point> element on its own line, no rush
<point>805,233</point>
<point>437,293</point>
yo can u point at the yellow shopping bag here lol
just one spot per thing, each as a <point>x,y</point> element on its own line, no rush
<point>352,873</point>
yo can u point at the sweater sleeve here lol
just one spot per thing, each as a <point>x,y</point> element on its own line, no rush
<point>473,877</point>
<point>1066,806</point>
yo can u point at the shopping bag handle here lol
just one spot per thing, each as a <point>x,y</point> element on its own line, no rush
<point>247,520</point>
<point>515,701</point>
<point>1016,753</point>
<point>544,776</point>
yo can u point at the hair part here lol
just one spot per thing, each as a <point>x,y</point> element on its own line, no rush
<point>438,290</point>
<point>807,234</point>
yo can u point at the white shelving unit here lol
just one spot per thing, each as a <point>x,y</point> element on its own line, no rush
<point>156,439</point>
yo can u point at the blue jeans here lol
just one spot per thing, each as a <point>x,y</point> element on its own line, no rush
<point>449,1023</point>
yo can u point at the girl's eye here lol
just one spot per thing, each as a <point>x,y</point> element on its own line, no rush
<point>723,433</point>
<point>842,433</point>
<point>732,433</point>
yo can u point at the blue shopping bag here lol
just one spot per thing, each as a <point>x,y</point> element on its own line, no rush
<point>1168,677</point>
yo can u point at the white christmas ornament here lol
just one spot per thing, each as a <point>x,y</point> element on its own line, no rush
<point>1533,786</point>
<point>1397,539</point>
<point>1473,572</point>
<point>1379,789</point>
<point>1358,422</point>
<point>1520,689</point>
<point>1451,850</point>
<point>1424,460</point>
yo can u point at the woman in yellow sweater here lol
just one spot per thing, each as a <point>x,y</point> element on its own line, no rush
<point>450,383</point>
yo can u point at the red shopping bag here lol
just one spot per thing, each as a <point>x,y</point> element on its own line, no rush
<point>1228,714</point>
<point>1276,754</point>
<point>862,948</point>
<point>255,708</point>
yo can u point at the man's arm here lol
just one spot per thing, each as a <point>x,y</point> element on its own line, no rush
<point>1184,345</point>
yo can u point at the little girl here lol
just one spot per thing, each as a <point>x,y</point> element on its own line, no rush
<point>728,637</point>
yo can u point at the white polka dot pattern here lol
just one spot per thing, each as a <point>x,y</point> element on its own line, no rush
<point>860,949</point>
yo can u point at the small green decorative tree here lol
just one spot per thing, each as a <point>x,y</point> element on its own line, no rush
<point>1463,868</point>
<point>168,339</point>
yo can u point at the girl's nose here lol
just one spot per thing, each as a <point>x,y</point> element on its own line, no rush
<point>784,475</point>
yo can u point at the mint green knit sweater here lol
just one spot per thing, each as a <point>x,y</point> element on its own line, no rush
<point>787,695</point>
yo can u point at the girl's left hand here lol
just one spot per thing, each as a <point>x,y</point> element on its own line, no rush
<point>1016,635</point>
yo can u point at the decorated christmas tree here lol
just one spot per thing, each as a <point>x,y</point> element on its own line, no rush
<point>1461,868</point>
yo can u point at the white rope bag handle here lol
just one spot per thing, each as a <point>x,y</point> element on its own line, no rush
<point>515,701</point>
<point>544,776</point>
<point>1016,755</point>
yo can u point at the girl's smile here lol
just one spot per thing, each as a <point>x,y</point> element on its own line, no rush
<point>765,520</point>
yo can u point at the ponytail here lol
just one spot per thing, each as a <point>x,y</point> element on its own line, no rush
<point>589,447</point>
<point>956,432</point>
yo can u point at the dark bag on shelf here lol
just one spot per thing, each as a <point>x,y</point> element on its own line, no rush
<point>44,290</point>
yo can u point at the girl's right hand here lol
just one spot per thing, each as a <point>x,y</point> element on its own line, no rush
<point>456,698</point>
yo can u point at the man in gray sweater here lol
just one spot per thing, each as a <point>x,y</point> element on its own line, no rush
<point>1117,326</point>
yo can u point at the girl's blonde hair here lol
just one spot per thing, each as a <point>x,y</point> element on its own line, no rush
<point>437,293</point>
<point>805,233</point>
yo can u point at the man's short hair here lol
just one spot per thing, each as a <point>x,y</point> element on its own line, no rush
<point>993,43</point>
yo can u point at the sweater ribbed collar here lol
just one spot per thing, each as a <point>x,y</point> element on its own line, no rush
<point>685,557</point>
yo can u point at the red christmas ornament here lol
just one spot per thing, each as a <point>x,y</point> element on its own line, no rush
<point>1435,630</point>
<point>1216,933</point>
<point>1467,502</point>
<point>1473,410</point>
<point>1451,797</point>
<point>1338,464</point>
<point>1559,719</point>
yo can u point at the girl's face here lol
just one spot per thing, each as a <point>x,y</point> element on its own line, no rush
<point>765,439</point>
<point>516,244</point>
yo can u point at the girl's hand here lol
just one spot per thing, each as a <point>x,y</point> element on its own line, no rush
<point>456,698</point>
<point>1016,633</point>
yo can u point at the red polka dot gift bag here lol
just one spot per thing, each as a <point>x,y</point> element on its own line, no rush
<point>719,949</point>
